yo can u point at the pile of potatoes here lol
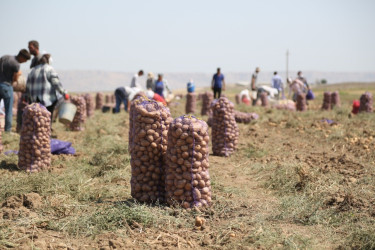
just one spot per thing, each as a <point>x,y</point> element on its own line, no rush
<point>99,100</point>
<point>326,101</point>
<point>148,145</point>
<point>335,99</point>
<point>365,102</point>
<point>191,103</point>
<point>90,105</point>
<point>264,99</point>
<point>301,104</point>
<point>225,131</point>
<point>207,99</point>
<point>187,180</point>
<point>35,151</point>
<point>80,116</point>
<point>242,117</point>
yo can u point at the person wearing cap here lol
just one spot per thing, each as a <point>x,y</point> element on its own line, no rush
<point>253,85</point>
<point>34,50</point>
<point>218,83</point>
<point>9,73</point>
<point>135,83</point>
<point>124,95</point>
<point>42,85</point>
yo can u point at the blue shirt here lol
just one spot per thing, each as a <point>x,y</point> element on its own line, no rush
<point>159,88</point>
<point>218,80</point>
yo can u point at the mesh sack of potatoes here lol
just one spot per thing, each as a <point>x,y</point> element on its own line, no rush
<point>191,103</point>
<point>225,131</point>
<point>264,99</point>
<point>99,100</point>
<point>199,96</point>
<point>107,99</point>
<point>207,99</point>
<point>238,99</point>
<point>335,99</point>
<point>80,117</point>
<point>148,146</point>
<point>35,150</point>
<point>136,100</point>
<point>187,180</point>
<point>242,117</point>
<point>285,104</point>
<point>326,101</point>
<point>90,105</point>
<point>301,102</point>
<point>365,104</point>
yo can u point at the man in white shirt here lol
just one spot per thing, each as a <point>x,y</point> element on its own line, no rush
<point>135,83</point>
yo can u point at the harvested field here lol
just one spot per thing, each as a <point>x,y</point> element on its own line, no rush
<point>294,182</point>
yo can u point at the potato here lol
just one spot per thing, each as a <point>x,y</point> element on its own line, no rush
<point>186,164</point>
<point>225,131</point>
<point>34,150</point>
<point>147,145</point>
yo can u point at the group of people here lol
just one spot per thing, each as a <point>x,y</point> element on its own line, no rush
<point>156,89</point>
<point>42,85</point>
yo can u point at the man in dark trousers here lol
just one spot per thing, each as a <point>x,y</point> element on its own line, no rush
<point>218,83</point>
<point>9,73</point>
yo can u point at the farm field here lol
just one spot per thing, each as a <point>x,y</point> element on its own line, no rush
<point>295,182</point>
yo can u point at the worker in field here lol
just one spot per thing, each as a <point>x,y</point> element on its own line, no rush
<point>253,85</point>
<point>218,83</point>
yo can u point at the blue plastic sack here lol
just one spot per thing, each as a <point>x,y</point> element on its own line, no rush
<point>61,147</point>
<point>310,95</point>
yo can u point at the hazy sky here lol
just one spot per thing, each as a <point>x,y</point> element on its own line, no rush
<point>195,35</point>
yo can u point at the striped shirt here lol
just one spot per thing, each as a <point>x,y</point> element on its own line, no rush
<point>42,84</point>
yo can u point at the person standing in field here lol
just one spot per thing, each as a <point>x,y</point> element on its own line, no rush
<point>159,86</point>
<point>34,50</point>
<point>218,83</point>
<point>150,82</point>
<point>302,79</point>
<point>135,80</point>
<point>296,86</point>
<point>253,85</point>
<point>9,73</point>
<point>43,83</point>
<point>277,83</point>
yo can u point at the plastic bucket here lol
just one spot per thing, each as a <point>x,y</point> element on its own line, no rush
<point>66,112</point>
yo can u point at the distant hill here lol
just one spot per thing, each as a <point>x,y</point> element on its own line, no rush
<point>82,81</point>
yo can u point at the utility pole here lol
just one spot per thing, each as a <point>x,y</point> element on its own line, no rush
<point>287,64</point>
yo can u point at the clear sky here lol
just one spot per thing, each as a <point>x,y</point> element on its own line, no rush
<point>195,35</point>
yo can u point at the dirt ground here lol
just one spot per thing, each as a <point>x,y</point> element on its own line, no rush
<point>295,182</point>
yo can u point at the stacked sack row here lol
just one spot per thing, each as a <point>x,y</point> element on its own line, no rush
<point>169,158</point>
